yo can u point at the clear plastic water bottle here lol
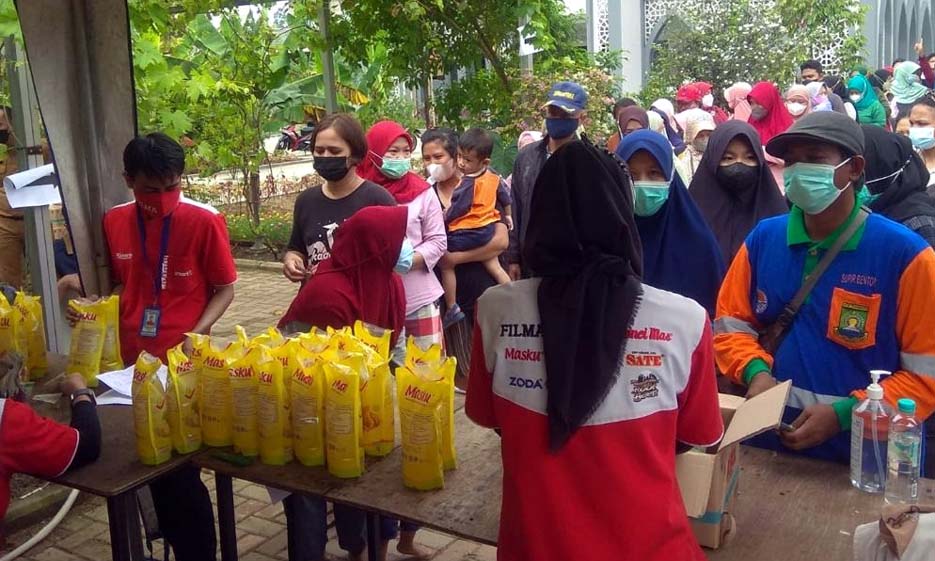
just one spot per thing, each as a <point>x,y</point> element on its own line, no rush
<point>870,424</point>
<point>902,481</point>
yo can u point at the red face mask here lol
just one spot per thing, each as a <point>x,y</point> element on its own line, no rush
<point>158,205</point>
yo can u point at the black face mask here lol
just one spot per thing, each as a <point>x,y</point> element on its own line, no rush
<point>4,136</point>
<point>737,177</point>
<point>331,168</point>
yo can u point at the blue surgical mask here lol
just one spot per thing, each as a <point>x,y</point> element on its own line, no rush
<point>560,127</point>
<point>923,138</point>
<point>811,186</point>
<point>406,253</point>
<point>649,196</point>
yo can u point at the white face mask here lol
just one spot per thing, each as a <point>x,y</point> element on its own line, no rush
<point>795,108</point>
<point>441,172</point>
<point>707,100</point>
<point>855,97</point>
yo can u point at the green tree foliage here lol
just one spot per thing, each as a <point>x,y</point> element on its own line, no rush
<point>751,40</point>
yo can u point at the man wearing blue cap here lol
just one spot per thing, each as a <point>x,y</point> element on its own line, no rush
<point>564,111</point>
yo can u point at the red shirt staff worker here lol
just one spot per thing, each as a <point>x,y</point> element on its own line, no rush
<point>593,379</point>
<point>38,446</point>
<point>173,268</point>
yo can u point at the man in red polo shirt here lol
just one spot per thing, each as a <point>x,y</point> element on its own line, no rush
<point>172,266</point>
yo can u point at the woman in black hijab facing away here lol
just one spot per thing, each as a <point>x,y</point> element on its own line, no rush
<point>896,178</point>
<point>733,187</point>
<point>592,378</point>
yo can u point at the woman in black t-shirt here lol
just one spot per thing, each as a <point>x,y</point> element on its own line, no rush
<point>339,145</point>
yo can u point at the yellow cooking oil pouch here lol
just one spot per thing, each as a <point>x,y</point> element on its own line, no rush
<point>274,418</point>
<point>374,337</point>
<point>377,417</point>
<point>153,437</point>
<point>245,384</point>
<point>215,399</point>
<point>444,370</point>
<point>271,337</point>
<point>420,411</point>
<point>315,341</point>
<point>416,355</point>
<point>110,354</point>
<point>308,409</point>
<point>87,340</point>
<point>182,390</point>
<point>33,326</point>
<point>21,333</point>
<point>8,342</point>
<point>345,456</point>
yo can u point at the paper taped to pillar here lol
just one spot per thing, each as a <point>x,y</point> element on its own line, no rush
<point>79,55</point>
<point>33,187</point>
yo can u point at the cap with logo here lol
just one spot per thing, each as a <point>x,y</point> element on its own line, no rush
<point>568,96</point>
<point>825,127</point>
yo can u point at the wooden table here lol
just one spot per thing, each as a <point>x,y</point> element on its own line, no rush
<point>117,474</point>
<point>788,508</point>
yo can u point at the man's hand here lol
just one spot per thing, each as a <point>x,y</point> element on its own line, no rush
<point>508,220</point>
<point>515,272</point>
<point>815,425</point>
<point>72,316</point>
<point>293,267</point>
<point>760,383</point>
<point>920,47</point>
<point>72,383</point>
<point>188,346</point>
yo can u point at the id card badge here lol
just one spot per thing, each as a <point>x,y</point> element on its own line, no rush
<point>150,326</point>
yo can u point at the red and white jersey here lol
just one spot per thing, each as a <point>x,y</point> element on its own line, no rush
<point>611,492</point>
<point>199,260</point>
<point>31,444</point>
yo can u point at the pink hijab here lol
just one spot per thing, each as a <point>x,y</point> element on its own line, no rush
<point>736,97</point>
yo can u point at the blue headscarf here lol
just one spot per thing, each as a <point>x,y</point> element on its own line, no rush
<point>674,138</point>
<point>680,254</point>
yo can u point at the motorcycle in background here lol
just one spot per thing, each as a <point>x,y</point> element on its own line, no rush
<point>296,137</point>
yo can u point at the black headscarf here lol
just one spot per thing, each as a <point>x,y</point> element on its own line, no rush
<point>902,193</point>
<point>583,243</point>
<point>733,213</point>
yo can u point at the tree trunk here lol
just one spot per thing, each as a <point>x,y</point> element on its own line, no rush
<point>253,198</point>
<point>428,109</point>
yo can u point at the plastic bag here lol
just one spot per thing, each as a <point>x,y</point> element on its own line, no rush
<point>87,340</point>
<point>274,418</point>
<point>374,337</point>
<point>443,370</point>
<point>377,418</point>
<point>345,456</point>
<point>308,409</point>
<point>182,390</point>
<point>416,356</point>
<point>110,354</point>
<point>8,342</point>
<point>245,385</point>
<point>31,334</point>
<point>153,437</point>
<point>420,415</point>
<point>215,392</point>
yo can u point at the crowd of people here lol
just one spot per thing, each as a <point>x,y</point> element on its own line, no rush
<point>623,284</point>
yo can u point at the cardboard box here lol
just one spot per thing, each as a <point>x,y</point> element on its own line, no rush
<point>708,479</point>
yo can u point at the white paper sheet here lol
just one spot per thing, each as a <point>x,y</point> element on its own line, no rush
<point>23,193</point>
<point>122,380</point>
<point>113,397</point>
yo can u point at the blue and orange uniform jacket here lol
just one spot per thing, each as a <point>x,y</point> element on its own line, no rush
<point>474,202</point>
<point>873,309</point>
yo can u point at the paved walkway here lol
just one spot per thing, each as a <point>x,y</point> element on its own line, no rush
<point>261,298</point>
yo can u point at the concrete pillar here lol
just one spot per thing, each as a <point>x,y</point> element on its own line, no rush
<point>625,18</point>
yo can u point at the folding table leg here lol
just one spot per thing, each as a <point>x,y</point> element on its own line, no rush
<point>126,543</point>
<point>227,526</point>
<point>373,536</point>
